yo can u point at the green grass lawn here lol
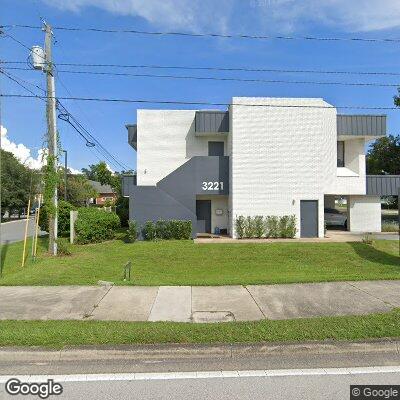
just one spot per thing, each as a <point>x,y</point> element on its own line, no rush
<point>58,334</point>
<point>186,263</point>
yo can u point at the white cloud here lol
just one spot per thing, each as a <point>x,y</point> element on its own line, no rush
<point>23,153</point>
<point>274,15</point>
<point>193,15</point>
<point>359,15</point>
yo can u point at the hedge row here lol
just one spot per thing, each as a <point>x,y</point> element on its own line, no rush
<point>64,209</point>
<point>161,229</point>
<point>95,225</point>
<point>269,227</point>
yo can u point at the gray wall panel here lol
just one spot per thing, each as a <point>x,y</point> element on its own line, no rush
<point>212,121</point>
<point>174,197</point>
<point>361,125</point>
<point>128,182</point>
<point>383,185</point>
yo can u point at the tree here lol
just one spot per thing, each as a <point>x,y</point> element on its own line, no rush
<point>18,183</point>
<point>99,172</point>
<point>384,156</point>
<point>79,190</point>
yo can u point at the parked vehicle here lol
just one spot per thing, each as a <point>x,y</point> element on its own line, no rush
<point>334,217</point>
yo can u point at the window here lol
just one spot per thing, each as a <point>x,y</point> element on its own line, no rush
<point>215,148</point>
<point>340,154</point>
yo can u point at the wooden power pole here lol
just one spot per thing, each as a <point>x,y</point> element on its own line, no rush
<point>52,134</point>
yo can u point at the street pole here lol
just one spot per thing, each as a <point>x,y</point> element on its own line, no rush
<point>52,133</point>
<point>65,173</point>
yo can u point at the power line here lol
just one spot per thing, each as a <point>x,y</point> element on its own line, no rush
<point>225,69</point>
<point>115,161</point>
<point>15,80</point>
<point>210,35</point>
<point>213,78</point>
<point>226,79</point>
<point>65,116</point>
<point>204,103</point>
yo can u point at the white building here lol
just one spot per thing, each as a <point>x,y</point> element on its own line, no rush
<point>264,156</point>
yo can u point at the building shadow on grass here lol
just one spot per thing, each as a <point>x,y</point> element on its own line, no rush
<point>370,253</point>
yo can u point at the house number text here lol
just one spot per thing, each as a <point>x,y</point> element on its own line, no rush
<point>212,186</point>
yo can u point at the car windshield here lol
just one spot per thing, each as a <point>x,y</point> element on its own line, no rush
<point>331,210</point>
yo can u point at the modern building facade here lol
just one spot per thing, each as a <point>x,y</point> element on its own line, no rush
<point>263,156</point>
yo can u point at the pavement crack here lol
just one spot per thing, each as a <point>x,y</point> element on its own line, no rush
<point>90,314</point>
<point>369,294</point>
<point>248,291</point>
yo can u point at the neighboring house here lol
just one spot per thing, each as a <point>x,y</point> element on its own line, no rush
<point>264,156</point>
<point>105,193</point>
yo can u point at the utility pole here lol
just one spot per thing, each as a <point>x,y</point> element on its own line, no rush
<point>65,173</point>
<point>51,132</point>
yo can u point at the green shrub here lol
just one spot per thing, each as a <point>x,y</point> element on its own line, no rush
<point>282,226</point>
<point>94,225</point>
<point>122,210</point>
<point>173,229</point>
<point>272,226</point>
<point>64,209</point>
<point>291,229</point>
<point>259,226</point>
<point>240,223</point>
<point>249,228</point>
<point>181,229</point>
<point>132,232</point>
<point>63,247</point>
<point>149,231</point>
<point>162,230</point>
<point>390,227</point>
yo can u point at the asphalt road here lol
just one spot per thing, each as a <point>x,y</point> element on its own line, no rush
<point>323,370</point>
<point>288,385</point>
<point>14,231</point>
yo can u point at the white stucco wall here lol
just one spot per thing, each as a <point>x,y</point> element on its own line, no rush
<point>364,213</point>
<point>281,156</point>
<point>351,179</point>
<point>166,140</point>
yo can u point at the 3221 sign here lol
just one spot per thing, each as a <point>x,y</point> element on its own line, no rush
<point>212,186</point>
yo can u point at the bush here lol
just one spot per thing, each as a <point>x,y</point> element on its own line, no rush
<point>181,230</point>
<point>149,231</point>
<point>259,226</point>
<point>162,230</point>
<point>63,247</point>
<point>64,209</point>
<point>272,226</point>
<point>132,231</point>
<point>240,224</point>
<point>94,225</point>
<point>291,229</point>
<point>122,210</point>
<point>390,227</point>
<point>173,229</point>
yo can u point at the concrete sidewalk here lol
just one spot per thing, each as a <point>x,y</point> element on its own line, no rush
<point>198,303</point>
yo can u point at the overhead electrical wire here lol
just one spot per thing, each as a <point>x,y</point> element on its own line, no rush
<point>66,116</point>
<point>215,78</point>
<point>205,103</point>
<point>210,35</point>
<point>216,68</point>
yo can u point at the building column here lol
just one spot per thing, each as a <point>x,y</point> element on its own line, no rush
<point>364,213</point>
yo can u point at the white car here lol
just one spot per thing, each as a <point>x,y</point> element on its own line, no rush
<point>334,217</point>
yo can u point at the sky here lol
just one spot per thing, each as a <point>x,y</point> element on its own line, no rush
<point>23,120</point>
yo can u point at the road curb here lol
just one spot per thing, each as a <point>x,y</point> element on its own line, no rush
<point>195,351</point>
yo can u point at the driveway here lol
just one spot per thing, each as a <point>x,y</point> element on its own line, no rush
<point>14,231</point>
